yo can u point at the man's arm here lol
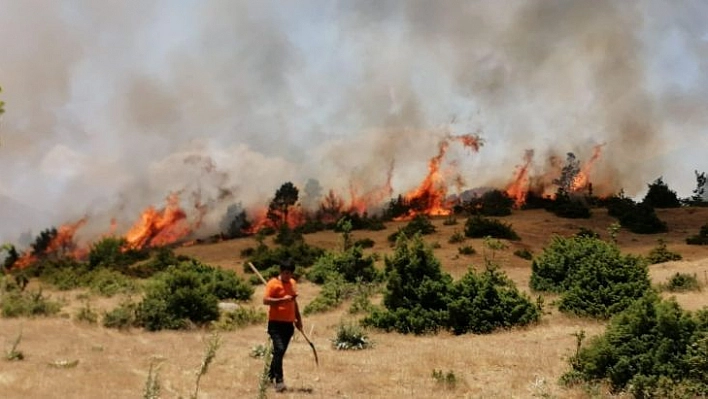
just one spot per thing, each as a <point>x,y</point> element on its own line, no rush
<point>268,300</point>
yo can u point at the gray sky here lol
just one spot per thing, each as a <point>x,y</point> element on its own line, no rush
<point>112,105</point>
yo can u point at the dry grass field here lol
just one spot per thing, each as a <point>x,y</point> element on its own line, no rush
<point>522,363</point>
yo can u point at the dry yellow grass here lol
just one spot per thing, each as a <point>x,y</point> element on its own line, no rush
<point>521,363</point>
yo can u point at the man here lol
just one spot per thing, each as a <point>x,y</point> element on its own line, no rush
<point>283,317</point>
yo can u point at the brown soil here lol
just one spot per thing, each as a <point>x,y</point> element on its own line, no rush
<point>520,363</point>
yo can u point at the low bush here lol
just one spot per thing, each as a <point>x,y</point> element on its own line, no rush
<point>569,207</point>
<point>114,253</point>
<point>240,317</point>
<point>456,238</point>
<point>420,224</point>
<point>351,337</point>
<point>681,282</point>
<point>661,254</point>
<point>491,203</point>
<point>334,291</point>
<point>651,349</point>
<point>466,250</point>
<point>300,253</point>
<point>420,298</point>
<point>701,238</point>
<point>122,317</point>
<point>351,264</point>
<point>28,304</point>
<point>524,253</point>
<point>484,302</point>
<point>188,293</point>
<point>592,276</point>
<point>479,227</point>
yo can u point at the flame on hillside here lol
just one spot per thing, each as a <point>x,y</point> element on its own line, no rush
<point>430,197</point>
<point>519,186</point>
<point>523,182</point>
<point>582,179</point>
<point>159,227</point>
<point>61,243</point>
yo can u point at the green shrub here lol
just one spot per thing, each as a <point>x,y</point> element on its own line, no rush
<point>163,257</point>
<point>87,314</point>
<point>416,292</point>
<point>661,254</point>
<point>188,293</point>
<point>351,264</point>
<point>484,302</point>
<point>680,282</point>
<point>420,224</point>
<point>420,298</point>
<point>642,219</point>
<point>592,276</point>
<point>299,253</point>
<point>334,291</point>
<point>569,207</point>
<point>447,380</point>
<point>364,243</point>
<point>241,317</point>
<point>114,253</point>
<point>122,317</point>
<point>106,282</point>
<point>28,304</point>
<point>649,348</point>
<point>701,238</point>
<point>585,232</point>
<point>351,337</point>
<point>456,238</point>
<point>479,227</point>
<point>524,253</point>
<point>660,196</point>
<point>491,203</point>
<point>360,300</point>
<point>466,250</point>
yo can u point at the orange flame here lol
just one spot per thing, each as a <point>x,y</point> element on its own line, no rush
<point>582,179</point>
<point>430,196</point>
<point>157,228</point>
<point>62,244</point>
<point>519,187</point>
<point>361,203</point>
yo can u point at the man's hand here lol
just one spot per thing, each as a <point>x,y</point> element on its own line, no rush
<point>288,298</point>
<point>298,324</point>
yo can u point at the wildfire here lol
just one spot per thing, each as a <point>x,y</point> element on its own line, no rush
<point>161,227</point>
<point>61,243</point>
<point>372,198</point>
<point>429,198</point>
<point>582,179</point>
<point>520,185</point>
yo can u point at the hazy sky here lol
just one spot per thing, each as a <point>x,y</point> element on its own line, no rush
<point>111,105</point>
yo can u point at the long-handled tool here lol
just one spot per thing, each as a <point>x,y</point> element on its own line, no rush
<point>314,351</point>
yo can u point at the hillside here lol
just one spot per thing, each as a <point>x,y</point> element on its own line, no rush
<point>510,364</point>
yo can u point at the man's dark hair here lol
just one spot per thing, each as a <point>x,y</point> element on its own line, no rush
<point>287,265</point>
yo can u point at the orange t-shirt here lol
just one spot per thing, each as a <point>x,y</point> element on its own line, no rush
<point>284,311</point>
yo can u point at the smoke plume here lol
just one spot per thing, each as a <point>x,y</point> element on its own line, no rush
<point>113,105</point>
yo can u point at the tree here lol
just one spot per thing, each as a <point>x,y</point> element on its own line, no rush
<point>235,223</point>
<point>660,196</point>
<point>285,197</point>
<point>568,173</point>
<point>699,194</point>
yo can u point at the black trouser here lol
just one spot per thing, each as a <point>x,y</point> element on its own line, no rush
<point>280,333</point>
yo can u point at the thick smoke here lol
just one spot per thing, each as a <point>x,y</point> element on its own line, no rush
<point>113,105</point>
